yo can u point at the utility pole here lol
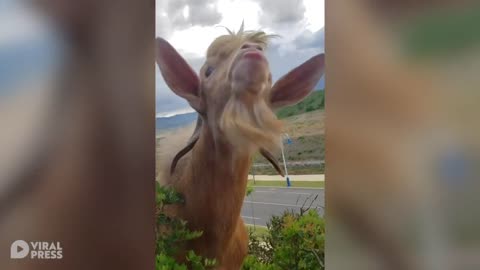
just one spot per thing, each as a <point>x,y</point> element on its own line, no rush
<point>289,141</point>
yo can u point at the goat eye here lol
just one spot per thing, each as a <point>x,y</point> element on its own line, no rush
<point>209,71</point>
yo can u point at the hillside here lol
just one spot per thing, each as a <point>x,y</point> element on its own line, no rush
<point>176,121</point>
<point>306,154</point>
<point>315,101</point>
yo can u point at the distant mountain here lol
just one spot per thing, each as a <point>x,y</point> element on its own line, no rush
<point>179,120</point>
<point>321,84</point>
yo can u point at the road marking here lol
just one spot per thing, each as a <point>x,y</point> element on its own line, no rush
<point>250,217</point>
<point>281,204</point>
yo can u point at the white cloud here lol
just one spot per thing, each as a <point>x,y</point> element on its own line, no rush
<point>236,11</point>
<point>195,40</point>
<point>314,14</point>
<point>281,12</point>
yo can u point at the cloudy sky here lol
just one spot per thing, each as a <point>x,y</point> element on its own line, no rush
<point>191,25</point>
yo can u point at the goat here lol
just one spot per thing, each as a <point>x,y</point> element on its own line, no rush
<point>234,97</point>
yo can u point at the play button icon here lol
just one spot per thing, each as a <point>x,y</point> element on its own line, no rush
<point>19,249</point>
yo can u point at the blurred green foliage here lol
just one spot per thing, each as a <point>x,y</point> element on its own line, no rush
<point>172,233</point>
<point>444,32</point>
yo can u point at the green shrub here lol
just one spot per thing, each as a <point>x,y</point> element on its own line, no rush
<point>172,233</point>
<point>293,241</point>
<point>252,263</point>
<point>249,191</point>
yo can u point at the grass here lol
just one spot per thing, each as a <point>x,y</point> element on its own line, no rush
<point>308,184</point>
<point>258,230</point>
<point>315,101</point>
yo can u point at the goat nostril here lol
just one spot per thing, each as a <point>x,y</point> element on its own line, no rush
<point>250,45</point>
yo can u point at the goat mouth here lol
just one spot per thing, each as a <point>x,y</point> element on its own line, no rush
<point>250,71</point>
<point>254,55</point>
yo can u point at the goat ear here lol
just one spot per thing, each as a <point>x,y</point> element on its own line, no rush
<point>178,75</point>
<point>298,83</point>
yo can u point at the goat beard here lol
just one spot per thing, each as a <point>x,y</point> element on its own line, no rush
<point>250,126</point>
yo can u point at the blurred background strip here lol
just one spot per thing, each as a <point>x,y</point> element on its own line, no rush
<point>77,111</point>
<point>402,135</point>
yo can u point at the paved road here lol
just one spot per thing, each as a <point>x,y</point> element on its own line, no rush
<point>267,201</point>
